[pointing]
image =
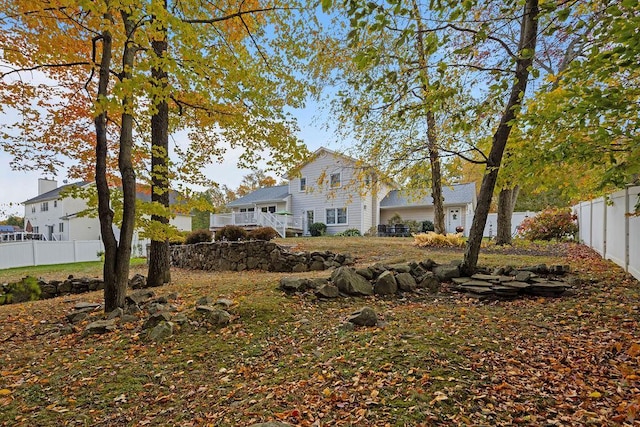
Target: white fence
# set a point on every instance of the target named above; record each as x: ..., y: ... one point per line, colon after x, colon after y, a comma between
x: 38, y: 252
x: 491, y: 226
x: 606, y: 227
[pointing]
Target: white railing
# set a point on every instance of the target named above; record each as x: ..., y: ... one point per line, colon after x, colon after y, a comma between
x: 262, y: 219
x: 607, y: 226
x: 21, y: 236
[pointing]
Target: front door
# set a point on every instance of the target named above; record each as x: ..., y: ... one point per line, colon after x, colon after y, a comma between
x: 308, y: 221
x: 455, y: 220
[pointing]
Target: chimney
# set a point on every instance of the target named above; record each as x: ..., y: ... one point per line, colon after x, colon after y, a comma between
x: 46, y: 185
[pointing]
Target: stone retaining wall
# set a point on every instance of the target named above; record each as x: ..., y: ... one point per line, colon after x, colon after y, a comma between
x: 252, y: 255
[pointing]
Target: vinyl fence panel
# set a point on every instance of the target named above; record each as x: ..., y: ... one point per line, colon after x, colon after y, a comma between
x: 38, y: 252
x: 607, y: 226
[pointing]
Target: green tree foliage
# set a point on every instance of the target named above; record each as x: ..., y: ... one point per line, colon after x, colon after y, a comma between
x: 13, y: 220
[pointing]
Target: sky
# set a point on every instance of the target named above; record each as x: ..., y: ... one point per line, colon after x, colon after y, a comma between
x: 16, y: 186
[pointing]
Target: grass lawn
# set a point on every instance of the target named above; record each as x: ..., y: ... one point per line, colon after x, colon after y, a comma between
x: 440, y: 359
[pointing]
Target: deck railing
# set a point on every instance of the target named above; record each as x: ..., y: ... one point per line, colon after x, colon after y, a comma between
x: 281, y: 223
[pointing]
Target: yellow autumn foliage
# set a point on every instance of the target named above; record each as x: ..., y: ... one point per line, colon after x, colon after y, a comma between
x: 439, y: 240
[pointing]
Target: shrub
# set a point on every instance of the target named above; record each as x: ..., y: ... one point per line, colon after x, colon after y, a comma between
x: 263, y: 233
x: 552, y: 223
x: 231, y: 233
x: 317, y: 229
x: 431, y: 239
x: 27, y: 289
x: 427, y: 226
x: 351, y: 232
x: 198, y: 236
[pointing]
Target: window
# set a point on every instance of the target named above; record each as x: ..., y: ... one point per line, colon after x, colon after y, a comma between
x: 303, y: 183
x: 247, y: 209
x: 334, y: 180
x: 33, y: 209
x: 36, y: 229
x: 61, y: 227
x: 55, y: 203
x: 271, y: 209
x: 336, y: 216
x: 44, y: 207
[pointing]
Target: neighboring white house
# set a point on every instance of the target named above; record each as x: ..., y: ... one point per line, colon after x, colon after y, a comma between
x: 342, y: 193
x: 56, y: 217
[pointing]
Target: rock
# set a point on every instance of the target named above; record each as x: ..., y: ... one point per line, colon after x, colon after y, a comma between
x: 161, y: 331
x: 523, y: 276
x: 204, y: 301
x: 132, y: 309
x: 138, y: 281
x: 460, y: 280
x: 428, y: 264
x: 430, y: 282
x: 327, y: 291
x: 559, y: 269
x: 153, y: 320
x: 83, y: 304
x: 100, y: 327
x: 299, y: 268
x: 406, y: 282
x: 486, y: 277
x: 128, y: 318
x: 317, y: 282
x: 366, y: 272
x: 317, y: 266
x: 538, y: 269
x: 400, y: 268
x: 446, y: 272
x: 77, y: 316
x: 364, y: 317
x: 386, y: 284
x: 505, y: 291
x: 351, y: 283
x: 139, y: 297
x: 214, y: 315
x: 67, y: 330
x: 180, y: 319
x: 224, y: 303
x: 293, y: 284
x: 517, y: 285
x: 117, y: 312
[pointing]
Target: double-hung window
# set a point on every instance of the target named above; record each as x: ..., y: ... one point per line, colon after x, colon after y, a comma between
x: 303, y: 183
x: 335, y: 180
x: 336, y: 216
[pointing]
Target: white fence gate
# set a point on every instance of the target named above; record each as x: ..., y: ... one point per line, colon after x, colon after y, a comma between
x: 606, y: 226
x: 491, y: 226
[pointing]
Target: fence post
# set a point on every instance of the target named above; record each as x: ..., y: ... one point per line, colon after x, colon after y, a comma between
x: 626, y: 229
x: 604, y: 229
x: 35, y: 252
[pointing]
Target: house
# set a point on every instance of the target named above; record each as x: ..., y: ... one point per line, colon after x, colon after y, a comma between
x: 53, y: 216
x: 459, y: 205
x: 342, y: 193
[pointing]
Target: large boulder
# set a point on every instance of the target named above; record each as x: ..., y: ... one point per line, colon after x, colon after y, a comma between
x: 446, y: 272
x: 386, y: 284
x: 161, y: 331
x: 293, y: 284
x: 406, y: 282
x: 327, y: 291
x: 364, y: 317
x: 430, y: 282
x: 350, y: 282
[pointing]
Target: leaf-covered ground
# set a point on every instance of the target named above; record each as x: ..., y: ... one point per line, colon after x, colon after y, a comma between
x: 438, y: 360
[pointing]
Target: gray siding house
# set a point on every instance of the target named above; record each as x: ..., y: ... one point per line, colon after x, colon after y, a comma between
x: 343, y: 193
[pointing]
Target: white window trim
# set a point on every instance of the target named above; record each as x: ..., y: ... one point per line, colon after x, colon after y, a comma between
x: 337, y: 224
x: 300, y: 189
x: 339, y: 178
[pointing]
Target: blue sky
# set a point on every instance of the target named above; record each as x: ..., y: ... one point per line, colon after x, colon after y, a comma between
x: 17, y: 186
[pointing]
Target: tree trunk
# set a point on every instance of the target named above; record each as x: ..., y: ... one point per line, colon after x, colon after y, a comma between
x: 436, y: 177
x: 506, y: 202
x: 159, y: 271
x: 116, y: 293
x: 105, y: 214
x: 526, y: 51
x: 432, y: 135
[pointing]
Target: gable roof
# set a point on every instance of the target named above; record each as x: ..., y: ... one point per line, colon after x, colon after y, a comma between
x: 459, y: 194
x: 55, y: 193
x: 277, y: 193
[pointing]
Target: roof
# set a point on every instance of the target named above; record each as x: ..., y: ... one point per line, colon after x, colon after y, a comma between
x: 55, y: 193
x: 277, y: 193
x: 8, y: 229
x: 459, y: 194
